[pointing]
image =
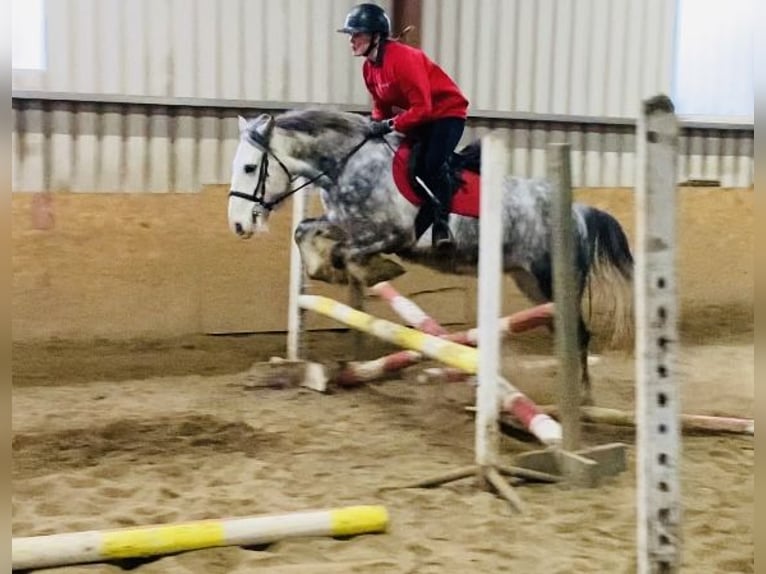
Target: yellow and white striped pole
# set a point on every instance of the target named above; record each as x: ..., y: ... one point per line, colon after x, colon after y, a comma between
x: 452, y: 354
x: 102, y: 545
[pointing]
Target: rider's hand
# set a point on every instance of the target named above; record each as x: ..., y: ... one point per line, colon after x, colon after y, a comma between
x: 381, y: 128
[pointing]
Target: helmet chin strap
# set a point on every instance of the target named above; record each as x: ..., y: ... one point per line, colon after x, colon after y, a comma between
x: 373, y: 45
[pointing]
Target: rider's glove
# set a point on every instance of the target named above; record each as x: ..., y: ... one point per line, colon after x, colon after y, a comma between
x: 381, y: 128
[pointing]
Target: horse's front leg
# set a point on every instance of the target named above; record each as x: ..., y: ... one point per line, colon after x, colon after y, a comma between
x: 329, y: 255
x: 362, y: 256
x: 315, y: 239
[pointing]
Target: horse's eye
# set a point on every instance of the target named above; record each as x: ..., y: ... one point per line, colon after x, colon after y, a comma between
x: 250, y: 168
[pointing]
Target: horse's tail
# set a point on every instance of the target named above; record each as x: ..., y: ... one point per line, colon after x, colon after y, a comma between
x: 610, y: 274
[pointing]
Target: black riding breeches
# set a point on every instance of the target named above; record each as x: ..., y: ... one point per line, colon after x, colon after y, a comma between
x: 438, y: 140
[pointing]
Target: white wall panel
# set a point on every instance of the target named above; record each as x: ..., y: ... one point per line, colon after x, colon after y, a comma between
x: 576, y: 57
x: 322, y: 39
x: 254, y: 64
x: 628, y: 159
x: 542, y: 82
x: 159, y: 41
x: 441, y: 40
x: 110, y: 43
x: 579, y: 61
x: 221, y: 49
x: 468, y: 56
x: 61, y: 148
x: 158, y: 155
x: 58, y: 75
x: 182, y: 40
x: 85, y: 49
x: 296, y: 72
x: 207, y: 45
x: 728, y: 161
x: 135, y: 51
x: 505, y: 57
x: 185, y: 149
x: 111, y: 149
x: 614, y: 77
x: 276, y: 38
x: 524, y: 63
x: 597, y: 57
x: 572, y: 57
x: 233, y: 28
x: 135, y: 149
x: 745, y: 161
x: 209, y: 143
x: 86, y: 148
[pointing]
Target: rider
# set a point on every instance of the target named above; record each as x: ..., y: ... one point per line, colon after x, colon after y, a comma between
x: 412, y: 95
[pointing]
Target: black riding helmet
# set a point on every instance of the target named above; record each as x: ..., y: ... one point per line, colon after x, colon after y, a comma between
x: 368, y: 19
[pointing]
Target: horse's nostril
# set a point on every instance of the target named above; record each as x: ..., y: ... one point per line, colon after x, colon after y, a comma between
x: 238, y: 228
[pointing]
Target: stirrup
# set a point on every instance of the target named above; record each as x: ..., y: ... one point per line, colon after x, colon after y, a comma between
x: 444, y: 244
x: 443, y: 241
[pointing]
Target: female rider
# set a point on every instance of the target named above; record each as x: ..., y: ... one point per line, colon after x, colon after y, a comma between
x: 412, y: 95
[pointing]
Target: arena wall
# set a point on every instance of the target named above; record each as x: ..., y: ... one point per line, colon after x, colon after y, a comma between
x: 158, y: 265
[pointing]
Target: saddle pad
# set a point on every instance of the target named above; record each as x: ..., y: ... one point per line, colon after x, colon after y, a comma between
x: 464, y: 202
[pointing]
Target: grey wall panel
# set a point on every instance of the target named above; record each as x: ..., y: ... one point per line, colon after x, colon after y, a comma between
x: 109, y: 147
x: 225, y: 49
x: 596, y: 58
x: 576, y: 57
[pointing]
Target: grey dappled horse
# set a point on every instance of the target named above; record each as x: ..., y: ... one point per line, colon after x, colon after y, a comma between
x: 365, y: 214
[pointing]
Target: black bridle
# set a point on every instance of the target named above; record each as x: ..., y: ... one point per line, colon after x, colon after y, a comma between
x: 257, y: 197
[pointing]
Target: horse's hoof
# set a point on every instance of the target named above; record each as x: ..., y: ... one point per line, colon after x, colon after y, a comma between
x: 338, y: 256
x: 377, y: 269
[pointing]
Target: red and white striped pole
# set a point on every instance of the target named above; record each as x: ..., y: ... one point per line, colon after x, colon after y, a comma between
x: 513, y: 401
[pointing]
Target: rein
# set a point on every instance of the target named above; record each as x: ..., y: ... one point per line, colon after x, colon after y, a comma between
x: 259, y: 192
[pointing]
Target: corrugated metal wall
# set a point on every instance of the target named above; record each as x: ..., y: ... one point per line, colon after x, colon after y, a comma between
x: 177, y: 72
x: 259, y: 50
x: 111, y: 147
x: 583, y: 57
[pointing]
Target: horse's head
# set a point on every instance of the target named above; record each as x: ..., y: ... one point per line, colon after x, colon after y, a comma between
x: 254, y: 190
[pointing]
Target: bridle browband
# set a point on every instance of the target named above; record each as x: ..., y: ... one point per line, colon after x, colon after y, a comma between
x: 257, y: 197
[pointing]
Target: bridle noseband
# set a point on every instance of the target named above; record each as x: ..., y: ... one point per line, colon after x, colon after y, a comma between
x: 259, y: 193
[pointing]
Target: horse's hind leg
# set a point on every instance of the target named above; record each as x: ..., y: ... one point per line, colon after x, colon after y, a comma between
x: 537, y: 287
x: 583, y: 340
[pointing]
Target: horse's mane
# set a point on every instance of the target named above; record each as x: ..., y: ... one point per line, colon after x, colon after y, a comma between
x: 315, y: 121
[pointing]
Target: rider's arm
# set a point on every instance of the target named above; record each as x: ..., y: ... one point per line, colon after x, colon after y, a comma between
x: 411, y: 72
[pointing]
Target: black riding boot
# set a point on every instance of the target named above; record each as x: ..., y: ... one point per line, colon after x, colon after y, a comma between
x: 440, y: 233
x: 441, y: 236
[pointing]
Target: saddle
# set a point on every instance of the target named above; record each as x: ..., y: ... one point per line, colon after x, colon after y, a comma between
x: 463, y: 177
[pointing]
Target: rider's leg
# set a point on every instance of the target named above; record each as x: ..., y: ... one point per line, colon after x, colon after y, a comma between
x: 439, y: 143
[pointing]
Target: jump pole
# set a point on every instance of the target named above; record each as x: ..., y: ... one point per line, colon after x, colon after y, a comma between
x: 102, y: 545
x: 453, y: 354
x: 691, y: 423
x: 358, y: 372
x: 657, y: 397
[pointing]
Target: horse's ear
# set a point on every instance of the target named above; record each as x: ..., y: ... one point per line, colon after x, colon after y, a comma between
x: 242, y: 123
x: 265, y: 124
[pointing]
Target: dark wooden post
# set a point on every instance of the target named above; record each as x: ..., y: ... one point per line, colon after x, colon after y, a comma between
x: 407, y: 13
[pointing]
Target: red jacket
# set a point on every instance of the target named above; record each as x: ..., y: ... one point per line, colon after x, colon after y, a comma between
x: 404, y: 78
